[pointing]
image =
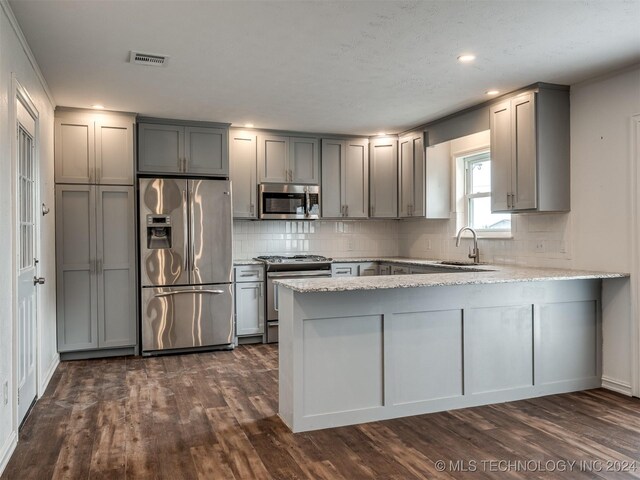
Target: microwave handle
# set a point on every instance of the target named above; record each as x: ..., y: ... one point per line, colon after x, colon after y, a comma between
x: 307, y: 203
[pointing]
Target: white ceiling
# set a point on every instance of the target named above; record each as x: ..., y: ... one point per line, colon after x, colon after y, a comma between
x: 319, y: 66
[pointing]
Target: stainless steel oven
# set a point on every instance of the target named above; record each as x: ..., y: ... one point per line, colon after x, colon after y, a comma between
x: 287, y: 268
x: 281, y: 201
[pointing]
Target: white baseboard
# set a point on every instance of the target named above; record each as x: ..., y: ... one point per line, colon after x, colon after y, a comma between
x: 617, y: 386
x: 48, y: 375
x: 7, y: 450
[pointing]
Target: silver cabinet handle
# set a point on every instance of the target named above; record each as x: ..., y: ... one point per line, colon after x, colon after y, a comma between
x: 251, y: 207
x: 253, y: 274
x: 275, y: 297
x: 99, y: 267
x: 346, y: 210
x: 38, y: 280
x: 180, y: 292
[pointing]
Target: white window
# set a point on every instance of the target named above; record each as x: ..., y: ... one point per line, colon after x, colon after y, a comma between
x: 477, y: 195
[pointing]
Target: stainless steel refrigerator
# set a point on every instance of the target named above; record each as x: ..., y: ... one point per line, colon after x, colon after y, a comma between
x: 186, y: 264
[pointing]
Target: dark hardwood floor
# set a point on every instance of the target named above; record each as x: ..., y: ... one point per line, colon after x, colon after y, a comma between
x: 213, y: 416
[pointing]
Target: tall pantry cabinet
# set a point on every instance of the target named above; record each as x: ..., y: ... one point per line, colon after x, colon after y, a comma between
x: 95, y: 233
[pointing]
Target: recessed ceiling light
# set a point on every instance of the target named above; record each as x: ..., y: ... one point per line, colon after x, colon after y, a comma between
x: 466, y: 58
x: 98, y: 107
x: 492, y: 92
x: 248, y: 125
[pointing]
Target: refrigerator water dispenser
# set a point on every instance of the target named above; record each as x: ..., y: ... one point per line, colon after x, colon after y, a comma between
x: 158, y: 232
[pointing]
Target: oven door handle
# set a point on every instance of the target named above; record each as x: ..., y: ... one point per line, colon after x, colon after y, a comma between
x: 180, y: 292
x: 275, y: 297
x: 294, y: 274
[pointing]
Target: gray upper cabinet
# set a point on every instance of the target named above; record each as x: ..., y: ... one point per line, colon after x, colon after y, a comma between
x: 206, y: 151
x: 273, y: 159
x: 411, y: 164
x: 304, y: 161
x: 438, y: 181
x: 94, y: 148
x: 178, y: 147
x: 160, y: 148
x: 384, y: 178
x: 345, y: 178
x: 283, y: 159
x: 95, y: 257
x: 530, y: 152
x: 243, y: 172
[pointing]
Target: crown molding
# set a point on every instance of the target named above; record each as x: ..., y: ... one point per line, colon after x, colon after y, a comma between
x: 6, y: 8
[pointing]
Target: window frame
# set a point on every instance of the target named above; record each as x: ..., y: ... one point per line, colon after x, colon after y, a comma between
x: 468, y: 160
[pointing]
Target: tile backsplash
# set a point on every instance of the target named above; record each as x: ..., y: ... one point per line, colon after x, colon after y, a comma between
x: 320, y: 237
x: 541, y: 240
x: 538, y: 240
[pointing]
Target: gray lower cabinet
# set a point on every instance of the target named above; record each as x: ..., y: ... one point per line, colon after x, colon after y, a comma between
x: 95, y: 256
x: 243, y: 171
x: 344, y: 270
x: 345, y: 178
x: 249, y: 300
x: 283, y: 159
x: 176, y: 147
x: 530, y: 152
x: 93, y: 148
x: 383, y: 193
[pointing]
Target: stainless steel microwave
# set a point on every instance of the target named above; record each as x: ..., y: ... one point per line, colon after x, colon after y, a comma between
x: 282, y: 201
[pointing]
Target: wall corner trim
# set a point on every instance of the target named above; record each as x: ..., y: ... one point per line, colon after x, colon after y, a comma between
x: 616, y: 386
x: 27, y: 50
x: 7, y: 450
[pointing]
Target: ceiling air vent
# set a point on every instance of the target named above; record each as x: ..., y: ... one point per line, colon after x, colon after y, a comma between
x: 150, y: 59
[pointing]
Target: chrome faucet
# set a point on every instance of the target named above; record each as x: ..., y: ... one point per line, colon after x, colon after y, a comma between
x: 475, y: 253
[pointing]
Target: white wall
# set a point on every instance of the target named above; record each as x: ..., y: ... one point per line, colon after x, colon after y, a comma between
x: 601, y: 112
x: 336, y: 239
x: 13, y: 59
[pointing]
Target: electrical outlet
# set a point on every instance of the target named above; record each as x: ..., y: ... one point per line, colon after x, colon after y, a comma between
x: 350, y: 244
x: 428, y: 244
x: 540, y: 246
x: 5, y: 390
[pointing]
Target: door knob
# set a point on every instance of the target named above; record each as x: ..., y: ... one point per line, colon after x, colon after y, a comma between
x: 38, y: 280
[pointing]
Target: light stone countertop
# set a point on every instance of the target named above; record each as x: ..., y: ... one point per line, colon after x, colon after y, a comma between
x: 459, y: 276
x: 246, y: 261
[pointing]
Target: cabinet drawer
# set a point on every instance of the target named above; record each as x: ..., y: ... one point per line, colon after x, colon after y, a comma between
x: 249, y: 273
x: 399, y: 270
x: 344, y: 270
x: 384, y: 270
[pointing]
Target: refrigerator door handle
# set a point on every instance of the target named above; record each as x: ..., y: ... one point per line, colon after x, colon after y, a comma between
x: 185, y: 249
x: 180, y: 292
x: 192, y: 234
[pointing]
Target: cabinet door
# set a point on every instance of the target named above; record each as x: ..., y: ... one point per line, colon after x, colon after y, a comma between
x: 206, y: 151
x: 368, y: 269
x: 438, y: 181
x: 115, y: 229
x: 161, y: 148
x: 384, y: 270
x: 523, y: 129
x: 304, y: 162
x: 501, y: 156
x: 77, y: 302
x: 243, y: 170
x: 249, y: 308
x: 332, y: 185
x: 419, y: 180
x: 405, y: 164
x: 384, y: 178
x: 74, y: 150
x: 114, y: 151
x: 273, y: 159
x: 356, y: 178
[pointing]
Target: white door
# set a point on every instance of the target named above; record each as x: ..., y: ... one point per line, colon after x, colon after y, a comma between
x: 27, y: 273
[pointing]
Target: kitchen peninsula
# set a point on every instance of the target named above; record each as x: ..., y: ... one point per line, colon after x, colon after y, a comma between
x: 361, y: 349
